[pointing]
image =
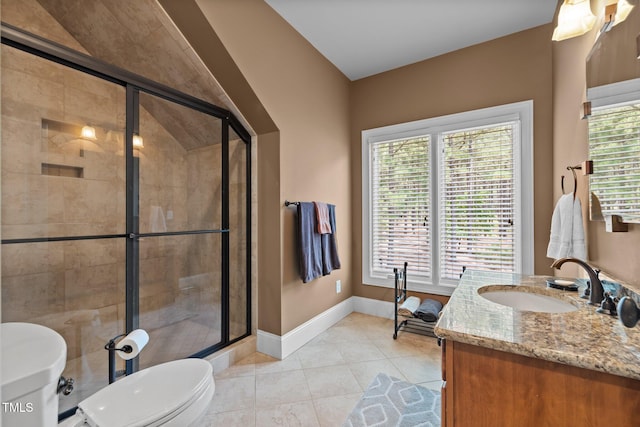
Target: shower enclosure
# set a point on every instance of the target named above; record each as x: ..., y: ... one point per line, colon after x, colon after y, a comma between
x: 125, y: 205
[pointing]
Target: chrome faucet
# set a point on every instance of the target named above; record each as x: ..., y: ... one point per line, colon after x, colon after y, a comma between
x: 597, y: 290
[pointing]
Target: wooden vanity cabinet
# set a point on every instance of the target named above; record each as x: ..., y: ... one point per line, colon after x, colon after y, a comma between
x: 485, y: 387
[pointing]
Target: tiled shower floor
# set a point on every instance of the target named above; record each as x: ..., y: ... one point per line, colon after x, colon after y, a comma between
x: 319, y: 384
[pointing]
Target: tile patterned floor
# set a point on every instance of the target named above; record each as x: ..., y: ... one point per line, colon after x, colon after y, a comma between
x: 319, y: 384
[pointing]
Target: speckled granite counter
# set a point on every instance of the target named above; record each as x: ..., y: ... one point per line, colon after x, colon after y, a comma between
x: 581, y: 338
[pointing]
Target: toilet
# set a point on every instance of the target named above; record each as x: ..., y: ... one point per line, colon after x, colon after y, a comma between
x: 32, y: 359
x: 175, y: 393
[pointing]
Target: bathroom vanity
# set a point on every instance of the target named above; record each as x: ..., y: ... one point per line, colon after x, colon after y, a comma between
x: 503, y: 366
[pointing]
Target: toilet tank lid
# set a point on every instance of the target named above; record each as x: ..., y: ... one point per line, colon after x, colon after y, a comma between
x: 31, y: 357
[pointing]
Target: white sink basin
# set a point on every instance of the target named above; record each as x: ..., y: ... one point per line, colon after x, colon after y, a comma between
x: 527, y: 301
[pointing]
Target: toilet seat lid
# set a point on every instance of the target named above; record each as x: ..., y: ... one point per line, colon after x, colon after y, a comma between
x: 149, y: 395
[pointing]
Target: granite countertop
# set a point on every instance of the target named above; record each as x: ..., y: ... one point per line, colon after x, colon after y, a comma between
x: 581, y: 338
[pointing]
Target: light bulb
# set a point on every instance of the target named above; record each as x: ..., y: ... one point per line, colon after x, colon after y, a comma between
x: 88, y: 132
x: 137, y: 141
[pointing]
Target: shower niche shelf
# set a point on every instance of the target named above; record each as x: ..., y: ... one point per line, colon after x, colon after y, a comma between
x: 62, y: 170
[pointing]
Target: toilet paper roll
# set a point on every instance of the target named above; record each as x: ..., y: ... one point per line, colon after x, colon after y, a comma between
x: 136, y: 340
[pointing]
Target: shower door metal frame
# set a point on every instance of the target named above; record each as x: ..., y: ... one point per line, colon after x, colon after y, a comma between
x: 134, y: 84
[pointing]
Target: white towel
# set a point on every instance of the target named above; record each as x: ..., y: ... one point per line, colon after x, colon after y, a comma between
x: 409, y: 306
x: 567, y: 232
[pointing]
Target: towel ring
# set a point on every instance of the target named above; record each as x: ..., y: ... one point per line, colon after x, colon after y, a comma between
x: 575, y: 179
x: 574, y: 184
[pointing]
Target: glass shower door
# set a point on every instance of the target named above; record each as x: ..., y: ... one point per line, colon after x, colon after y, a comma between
x: 63, y: 198
x: 181, y: 256
x: 239, y: 241
x: 120, y: 210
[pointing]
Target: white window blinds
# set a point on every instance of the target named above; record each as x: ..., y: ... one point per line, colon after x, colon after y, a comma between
x: 448, y: 192
x: 400, y: 205
x: 477, y: 200
x: 614, y: 147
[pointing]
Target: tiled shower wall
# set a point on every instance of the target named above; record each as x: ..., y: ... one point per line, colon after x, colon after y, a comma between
x: 77, y: 288
x: 65, y: 285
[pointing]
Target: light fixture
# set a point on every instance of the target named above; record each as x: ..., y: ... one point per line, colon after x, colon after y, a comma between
x: 88, y: 132
x: 615, y: 13
x: 574, y: 19
x: 623, y: 9
x: 609, y: 17
x: 137, y: 141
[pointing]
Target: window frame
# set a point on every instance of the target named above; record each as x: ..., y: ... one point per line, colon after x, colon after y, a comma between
x: 611, y: 96
x: 434, y: 127
x: 614, y: 93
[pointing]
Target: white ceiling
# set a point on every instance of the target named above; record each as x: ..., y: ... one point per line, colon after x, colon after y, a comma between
x: 366, y: 37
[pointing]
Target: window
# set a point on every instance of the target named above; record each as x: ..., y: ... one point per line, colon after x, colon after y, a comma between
x: 614, y: 148
x: 400, y: 204
x: 449, y: 193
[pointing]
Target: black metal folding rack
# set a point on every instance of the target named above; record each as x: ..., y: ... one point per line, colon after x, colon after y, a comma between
x: 407, y: 323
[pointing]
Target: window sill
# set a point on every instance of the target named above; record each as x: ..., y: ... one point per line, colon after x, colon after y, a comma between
x: 427, y: 288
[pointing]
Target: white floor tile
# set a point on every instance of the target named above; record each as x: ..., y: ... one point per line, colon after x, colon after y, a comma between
x: 281, y: 387
x: 333, y: 411
x: 233, y: 394
x: 319, y: 384
x: 301, y: 414
x: 331, y: 381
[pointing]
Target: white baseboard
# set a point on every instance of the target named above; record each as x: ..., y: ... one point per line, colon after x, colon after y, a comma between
x: 270, y: 344
x: 373, y: 307
x: 282, y: 346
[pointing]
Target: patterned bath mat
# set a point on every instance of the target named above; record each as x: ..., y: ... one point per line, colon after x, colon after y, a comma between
x: 390, y: 402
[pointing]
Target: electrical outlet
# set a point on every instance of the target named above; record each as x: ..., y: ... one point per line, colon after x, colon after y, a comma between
x: 338, y: 286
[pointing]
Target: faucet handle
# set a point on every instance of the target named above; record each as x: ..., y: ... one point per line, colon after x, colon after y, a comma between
x: 628, y: 312
x: 586, y: 291
x: 608, y: 305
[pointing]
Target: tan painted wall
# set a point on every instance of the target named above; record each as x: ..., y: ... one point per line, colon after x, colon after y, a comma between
x: 613, y: 59
x: 308, y: 99
x: 290, y: 82
x: 509, y: 69
x: 570, y: 132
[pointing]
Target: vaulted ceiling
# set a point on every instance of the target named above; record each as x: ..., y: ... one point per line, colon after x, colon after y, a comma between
x: 138, y: 36
x: 366, y: 37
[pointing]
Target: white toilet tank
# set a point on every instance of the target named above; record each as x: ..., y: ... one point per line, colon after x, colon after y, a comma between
x: 32, y: 360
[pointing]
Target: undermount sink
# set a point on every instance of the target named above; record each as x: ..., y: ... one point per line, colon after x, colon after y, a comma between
x: 525, y: 301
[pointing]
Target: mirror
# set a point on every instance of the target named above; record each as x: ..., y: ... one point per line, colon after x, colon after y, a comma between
x: 613, y: 88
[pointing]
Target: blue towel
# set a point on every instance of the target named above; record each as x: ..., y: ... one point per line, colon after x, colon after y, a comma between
x: 309, y: 243
x: 428, y: 310
x: 330, y: 259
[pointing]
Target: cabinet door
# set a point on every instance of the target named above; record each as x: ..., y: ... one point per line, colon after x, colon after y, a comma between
x: 443, y: 404
x: 491, y: 388
x: 448, y: 376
